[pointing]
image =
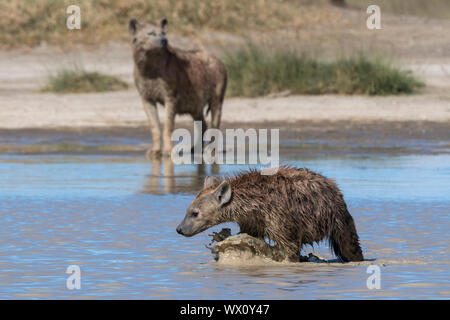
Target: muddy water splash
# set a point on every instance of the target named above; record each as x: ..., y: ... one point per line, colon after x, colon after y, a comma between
x: 244, y: 250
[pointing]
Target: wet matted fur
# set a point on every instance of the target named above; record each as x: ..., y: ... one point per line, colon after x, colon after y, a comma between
x: 291, y: 208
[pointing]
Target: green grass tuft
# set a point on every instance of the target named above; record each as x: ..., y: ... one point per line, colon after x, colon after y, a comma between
x: 256, y: 71
x: 79, y: 81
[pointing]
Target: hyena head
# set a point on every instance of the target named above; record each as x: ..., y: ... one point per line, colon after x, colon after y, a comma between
x: 148, y: 37
x: 204, y: 212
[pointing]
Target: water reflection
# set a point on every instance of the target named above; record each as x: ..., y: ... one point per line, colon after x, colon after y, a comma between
x: 166, y: 177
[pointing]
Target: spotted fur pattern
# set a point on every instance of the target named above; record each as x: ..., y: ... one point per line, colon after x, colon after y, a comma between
x: 292, y: 208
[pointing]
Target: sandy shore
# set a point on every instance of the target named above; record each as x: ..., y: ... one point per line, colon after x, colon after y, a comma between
x: 36, y: 110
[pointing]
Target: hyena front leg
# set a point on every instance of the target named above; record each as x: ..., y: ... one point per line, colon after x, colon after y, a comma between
x: 292, y: 252
x: 198, y: 140
x: 286, y: 240
x: 215, y: 106
x: 153, y: 120
x: 168, y: 127
x: 294, y: 246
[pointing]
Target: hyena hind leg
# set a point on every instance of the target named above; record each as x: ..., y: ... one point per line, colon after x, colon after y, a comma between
x: 153, y: 120
x: 345, y: 241
x: 215, y: 105
x: 198, y: 141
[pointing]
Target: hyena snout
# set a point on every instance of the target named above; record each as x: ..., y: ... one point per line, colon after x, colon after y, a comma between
x: 179, y: 230
x: 184, y: 230
x: 191, y: 226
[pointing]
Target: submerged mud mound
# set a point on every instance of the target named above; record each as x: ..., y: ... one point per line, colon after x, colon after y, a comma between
x: 242, y: 248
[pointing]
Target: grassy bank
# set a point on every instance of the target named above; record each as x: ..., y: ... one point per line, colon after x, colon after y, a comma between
x: 29, y: 22
x: 78, y: 80
x: 256, y: 71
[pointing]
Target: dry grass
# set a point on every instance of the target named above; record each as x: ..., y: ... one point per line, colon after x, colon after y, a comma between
x: 30, y: 22
x: 424, y: 8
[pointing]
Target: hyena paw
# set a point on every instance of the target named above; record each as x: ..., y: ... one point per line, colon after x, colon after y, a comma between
x: 153, y: 153
x: 167, y: 152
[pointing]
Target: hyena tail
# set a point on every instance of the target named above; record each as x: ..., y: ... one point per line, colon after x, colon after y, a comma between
x: 344, y: 240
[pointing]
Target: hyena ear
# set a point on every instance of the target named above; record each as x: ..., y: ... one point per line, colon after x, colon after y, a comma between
x: 223, y: 193
x: 132, y: 26
x: 210, y: 181
x: 164, y: 24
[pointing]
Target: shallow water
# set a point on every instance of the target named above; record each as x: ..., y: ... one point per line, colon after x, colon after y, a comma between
x: 114, y: 215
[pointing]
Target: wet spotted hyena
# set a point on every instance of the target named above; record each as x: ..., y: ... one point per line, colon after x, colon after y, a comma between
x: 292, y: 208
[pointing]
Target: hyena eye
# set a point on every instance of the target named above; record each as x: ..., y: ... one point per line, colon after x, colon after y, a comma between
x: 134, y: 40
x: 194, y: 214
x: 153, y: 33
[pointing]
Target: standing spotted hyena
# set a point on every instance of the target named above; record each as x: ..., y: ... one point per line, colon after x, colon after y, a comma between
x: 183, y: 81
x: 293, y: 207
